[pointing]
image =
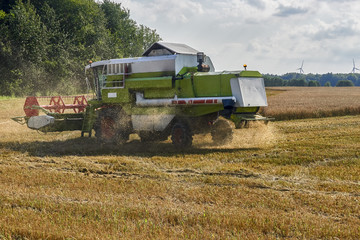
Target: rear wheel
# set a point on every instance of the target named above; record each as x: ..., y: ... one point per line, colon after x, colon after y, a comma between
x: 222, y: 132
x: 181, y: 135
x: 112, y: 126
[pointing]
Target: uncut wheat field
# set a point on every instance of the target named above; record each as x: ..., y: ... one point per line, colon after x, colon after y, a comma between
x: 293, y: 179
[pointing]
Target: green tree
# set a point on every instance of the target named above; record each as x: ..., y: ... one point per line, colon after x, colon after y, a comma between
x: 59, y: 64
x: 297, y: 82
x: 5, y: 5
x: 273, y: 81
x: 313, y: 83
x: 146, y: 37
x: 127, y: 38
x: 23, y: 48
x: 327, y: 84
x: 122, y: 28
x: 44, y: 44
x: 27, y: 33
x: 344, y: 83
x: 293, y: 75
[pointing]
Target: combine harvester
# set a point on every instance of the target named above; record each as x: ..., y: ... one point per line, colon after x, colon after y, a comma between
x: 172, y: 90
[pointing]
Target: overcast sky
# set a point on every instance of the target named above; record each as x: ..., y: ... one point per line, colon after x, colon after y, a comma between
x: 272, y: 36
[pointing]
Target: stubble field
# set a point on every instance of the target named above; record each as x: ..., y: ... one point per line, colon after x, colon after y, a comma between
x: 286, y: 103
x: 290, y: 179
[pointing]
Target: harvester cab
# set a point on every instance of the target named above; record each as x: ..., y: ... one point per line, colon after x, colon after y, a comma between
x: 172, y: 90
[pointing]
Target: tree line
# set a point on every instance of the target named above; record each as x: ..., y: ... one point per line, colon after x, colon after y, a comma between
x: 45, y: 44
x: 313, y: 80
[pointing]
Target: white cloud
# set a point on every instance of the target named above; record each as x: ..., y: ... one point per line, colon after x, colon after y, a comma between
x: 287, y: 11
x: 338, y: 30
x: 273, y: 36
x: 260, y: 4
x: 173, y: 11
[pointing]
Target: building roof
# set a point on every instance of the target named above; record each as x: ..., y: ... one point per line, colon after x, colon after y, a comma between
x: 166, y: 48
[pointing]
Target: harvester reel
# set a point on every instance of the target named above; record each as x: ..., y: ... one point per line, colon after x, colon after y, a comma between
x: 112, y: 126
x: 222, y: 132
x: 181, y: 135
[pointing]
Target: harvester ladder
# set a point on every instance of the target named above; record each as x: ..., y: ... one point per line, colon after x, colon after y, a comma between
x: 118, y: 69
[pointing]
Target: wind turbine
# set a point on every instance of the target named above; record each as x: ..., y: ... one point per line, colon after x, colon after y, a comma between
x: 354, y: 68
x: 301, y: 68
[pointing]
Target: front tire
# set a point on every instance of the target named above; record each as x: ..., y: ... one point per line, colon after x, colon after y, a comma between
x: 112, y: 126
x: 181, y: 135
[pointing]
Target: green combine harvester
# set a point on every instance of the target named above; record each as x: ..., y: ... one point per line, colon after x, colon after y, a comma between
x: 172, y: 90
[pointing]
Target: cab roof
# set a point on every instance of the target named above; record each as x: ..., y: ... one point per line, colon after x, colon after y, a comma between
x: 166, y: 48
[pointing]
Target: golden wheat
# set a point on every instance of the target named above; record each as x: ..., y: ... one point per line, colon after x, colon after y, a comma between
x: 307, y: 102
x: 294, y: 179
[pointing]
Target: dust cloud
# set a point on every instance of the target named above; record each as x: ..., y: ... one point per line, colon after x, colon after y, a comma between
x: 258, y: 135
